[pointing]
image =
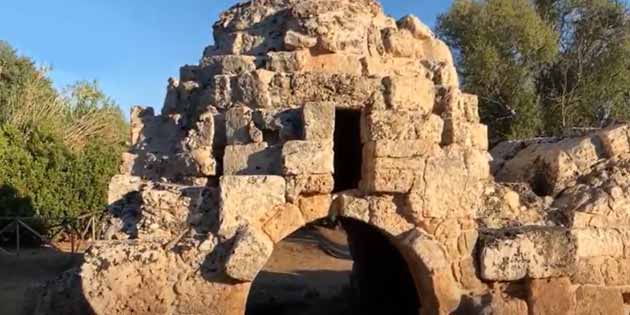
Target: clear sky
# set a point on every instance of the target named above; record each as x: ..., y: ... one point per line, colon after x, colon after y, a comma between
x: 131, y: 47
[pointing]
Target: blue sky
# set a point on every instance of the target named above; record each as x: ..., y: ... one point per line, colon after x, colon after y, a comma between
x: 131, y: 47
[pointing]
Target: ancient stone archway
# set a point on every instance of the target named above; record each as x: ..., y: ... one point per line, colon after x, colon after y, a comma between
x: 380, y: 282
x: 243, y: 154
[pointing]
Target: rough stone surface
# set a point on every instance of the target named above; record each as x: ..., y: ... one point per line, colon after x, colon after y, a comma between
x: 242, y: 155
x: 251, y: 251
x: 551, y: 296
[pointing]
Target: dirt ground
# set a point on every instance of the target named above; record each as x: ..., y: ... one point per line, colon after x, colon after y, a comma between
x: 17, y: 273
x: 300, y: 277
x: 303, y: 279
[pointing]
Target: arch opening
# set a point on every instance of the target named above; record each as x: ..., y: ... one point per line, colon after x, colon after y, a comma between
x: 349, y: 267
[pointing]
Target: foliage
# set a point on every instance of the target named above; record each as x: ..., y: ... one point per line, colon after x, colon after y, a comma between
x: 500, y: 47
x: 589, y: 84
x: 542, y: 67
x: 57, y: 151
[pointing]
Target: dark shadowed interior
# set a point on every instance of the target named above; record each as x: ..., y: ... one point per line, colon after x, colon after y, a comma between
x: 348, y: 150
x: 375, y: 279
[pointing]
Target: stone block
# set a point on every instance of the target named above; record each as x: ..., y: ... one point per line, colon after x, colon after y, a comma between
x: 458, y: 106
x: 287, y: 61
x: 245, y: 199
x: 227, y: 64
x: 389, y: 175
x: 593, y: 300
x: 598, y: 242
x: 466, y: 134
x: 319, y: 121
x: 410, y: 93
x: 429, y: 251
x: 554, y: 296
x: 307, y: 157
x: 333, y: 63
x: 615, y: 140
x: 445, y: 173
x: 251, y: 159
x: 384, y: 215
x: 286, y: 220
x: 386, y: 66
x: 252, y: 249
x: 294, y: 40
x: 252, y: 88
x: 206, y: 164
x: 609, y: 271
x: 352, y: 205
x: 402, y: 125
x: 400, y: 149
x: 536, y: 253
x: 309, y: 185
x: 237, y: 121
x: 121, y: 185
x: 315, y: 207
x: 465, y: 273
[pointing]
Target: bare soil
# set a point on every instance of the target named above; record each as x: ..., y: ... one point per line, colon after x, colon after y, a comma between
x: 303, y: 279
x: 18, y: 273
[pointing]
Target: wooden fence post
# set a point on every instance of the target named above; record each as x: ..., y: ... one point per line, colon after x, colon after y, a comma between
x: 17, y: 237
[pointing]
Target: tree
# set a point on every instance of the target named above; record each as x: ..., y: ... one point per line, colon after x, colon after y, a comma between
x: 542, y: 67
x: 589, y: 84
x: 57, y: 151
x: 500, y: 47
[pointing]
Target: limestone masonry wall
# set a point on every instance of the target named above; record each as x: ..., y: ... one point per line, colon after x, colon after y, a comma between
x: 243, y: 154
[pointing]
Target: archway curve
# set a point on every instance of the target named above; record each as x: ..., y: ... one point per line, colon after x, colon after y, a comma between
x: 418, y: 296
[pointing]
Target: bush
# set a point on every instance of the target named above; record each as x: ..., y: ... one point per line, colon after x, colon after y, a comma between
x: 57, y: 151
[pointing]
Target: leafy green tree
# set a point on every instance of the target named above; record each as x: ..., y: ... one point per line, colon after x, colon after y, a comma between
x: 542, y: 67
x: 500, y: 47
x: 589, y: 83
x: 58, y: 151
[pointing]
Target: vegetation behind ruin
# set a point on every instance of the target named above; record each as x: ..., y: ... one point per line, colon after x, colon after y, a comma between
x: 58, y: 149
x: 544, y: 67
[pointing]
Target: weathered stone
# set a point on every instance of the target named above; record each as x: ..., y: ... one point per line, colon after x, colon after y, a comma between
x: 315, y: 207
x: 309, y: 185
x: 445, y: 172
x: 598, y: 242
x: 319, y: 121
x: 253, y: 88
x: 352, y: 205
x: 527, y: 253
x: 417, y: 28
x: 384, y: 215
x: 286, y: 220
x: 389, y: 175
x: 122, y: 185
x: 251, y: 159
x: 410, y: 93
x: 430, y: 252
x: 206, y: 164
x: 294, y: 40
x: 615, y: 140
x: 227, y: 64
x: 252, y: 249
x: 402, y: 125
x: 551, y: 296
x: 307, y: 157
x: 237, y: 120
x: 603, y: 271
x: 245, y: 199
x: 599, y: 301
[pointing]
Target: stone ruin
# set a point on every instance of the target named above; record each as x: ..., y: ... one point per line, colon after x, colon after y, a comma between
x: 307, y: 109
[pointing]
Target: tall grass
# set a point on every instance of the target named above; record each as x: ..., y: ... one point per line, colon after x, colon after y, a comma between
x: 82, y: 112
